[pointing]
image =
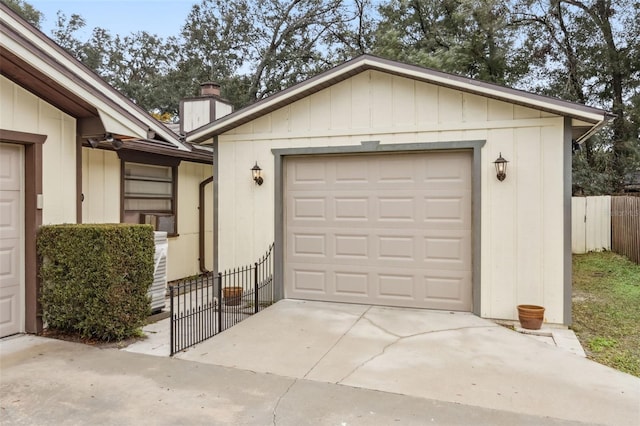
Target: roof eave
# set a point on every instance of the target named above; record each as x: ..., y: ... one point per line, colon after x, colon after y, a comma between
x: 367, y: 62
x: 26, y: 41
x: 595, y: 128
x: 150, y: 146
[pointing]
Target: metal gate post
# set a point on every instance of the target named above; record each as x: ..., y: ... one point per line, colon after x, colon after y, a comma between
x: 172, y: 322
x: 255, y: 288
x: 219, y: 302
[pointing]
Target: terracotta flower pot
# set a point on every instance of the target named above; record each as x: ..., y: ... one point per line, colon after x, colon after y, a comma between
x: 530, y: 316
x: 232, y: 295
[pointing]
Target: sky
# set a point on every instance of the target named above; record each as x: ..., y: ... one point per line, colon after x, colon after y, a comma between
x: 162, y: 17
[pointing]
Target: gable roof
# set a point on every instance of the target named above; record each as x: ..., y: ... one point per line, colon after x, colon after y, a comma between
x: 35, y: 62
x: 586, y: 119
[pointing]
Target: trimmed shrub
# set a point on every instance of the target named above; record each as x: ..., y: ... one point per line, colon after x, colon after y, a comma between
x: 96, y: 277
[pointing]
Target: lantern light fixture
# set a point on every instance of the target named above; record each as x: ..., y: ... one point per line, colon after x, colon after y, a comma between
x: 501, y: 167
x: 256, y: 173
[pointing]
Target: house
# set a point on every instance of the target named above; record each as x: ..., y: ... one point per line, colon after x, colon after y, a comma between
x: 74, y: 150
x: 379, y: 186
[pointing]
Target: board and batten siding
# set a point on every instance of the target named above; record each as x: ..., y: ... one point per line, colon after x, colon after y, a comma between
x: 522, y: 218
x: 23, y: 111
x: 184, y: 248
x: 101, y: 186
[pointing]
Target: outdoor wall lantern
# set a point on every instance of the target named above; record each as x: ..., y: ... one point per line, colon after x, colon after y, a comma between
x: 256, y: 172
x: 501, y: 168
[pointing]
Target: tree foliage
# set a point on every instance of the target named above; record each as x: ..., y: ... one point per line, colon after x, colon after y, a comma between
x: 259, y: 48
x: 468, y: 37
x: 587, y: 51
x: 26, y: 10
x: 252, y: 49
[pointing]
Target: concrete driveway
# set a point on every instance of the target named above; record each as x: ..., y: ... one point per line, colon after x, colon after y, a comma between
x: 51, y: 382
x: 444, y: 356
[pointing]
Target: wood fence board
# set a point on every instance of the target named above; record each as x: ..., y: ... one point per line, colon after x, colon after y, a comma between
x: 625, y: 227
x: 578, y: 228
x: 590, y: 224
x: 598, y: 223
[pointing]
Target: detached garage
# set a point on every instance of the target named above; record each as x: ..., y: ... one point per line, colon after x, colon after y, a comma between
x: 378, y: 185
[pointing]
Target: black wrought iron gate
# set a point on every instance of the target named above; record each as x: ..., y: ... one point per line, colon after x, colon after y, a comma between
x: 206, y: 305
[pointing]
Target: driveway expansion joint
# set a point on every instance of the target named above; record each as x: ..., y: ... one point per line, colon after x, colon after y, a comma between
x: 336, y: 342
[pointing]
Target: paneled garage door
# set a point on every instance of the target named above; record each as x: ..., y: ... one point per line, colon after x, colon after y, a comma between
x: 380, y: 229
x: 11, y: 226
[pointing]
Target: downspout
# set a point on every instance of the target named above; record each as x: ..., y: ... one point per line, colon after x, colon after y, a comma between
x: 201, y: 228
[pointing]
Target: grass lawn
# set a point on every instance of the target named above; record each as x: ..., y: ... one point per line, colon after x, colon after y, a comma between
x: 606, y: 309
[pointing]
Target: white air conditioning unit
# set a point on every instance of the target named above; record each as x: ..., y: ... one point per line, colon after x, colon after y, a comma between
x: 158, y: 289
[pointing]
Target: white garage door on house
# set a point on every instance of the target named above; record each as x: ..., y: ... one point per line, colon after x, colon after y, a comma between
x: 11, y: 251
x: 392, y: 229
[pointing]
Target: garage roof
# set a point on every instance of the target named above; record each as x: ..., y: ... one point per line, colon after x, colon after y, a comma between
x: 586, y: 119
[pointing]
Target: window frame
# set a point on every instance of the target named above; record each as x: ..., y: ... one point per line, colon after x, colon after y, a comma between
x: 150, y: 160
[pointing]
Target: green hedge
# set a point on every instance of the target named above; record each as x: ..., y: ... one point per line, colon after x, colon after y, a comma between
x: 95, y: 278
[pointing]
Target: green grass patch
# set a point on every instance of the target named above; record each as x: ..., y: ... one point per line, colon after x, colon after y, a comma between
x: 606, y: 309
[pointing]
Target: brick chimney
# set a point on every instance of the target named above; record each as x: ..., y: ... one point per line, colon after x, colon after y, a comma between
x: 201, y: 110
x: 210, y: 89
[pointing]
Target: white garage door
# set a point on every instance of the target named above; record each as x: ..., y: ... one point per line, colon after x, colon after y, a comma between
x: 11, y: 251
x: 387, y: 229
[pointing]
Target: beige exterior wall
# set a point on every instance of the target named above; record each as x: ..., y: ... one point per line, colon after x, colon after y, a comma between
x: 521, y: 218
x: 22, y: 111
x: 183, y: 250
x: 101, y: 186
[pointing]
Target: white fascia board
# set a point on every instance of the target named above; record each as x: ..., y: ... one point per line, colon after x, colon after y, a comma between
x: 86, y: 76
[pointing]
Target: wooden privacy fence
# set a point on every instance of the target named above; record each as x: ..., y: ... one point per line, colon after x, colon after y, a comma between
x: 625, y: 227
x: 590, y: 224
